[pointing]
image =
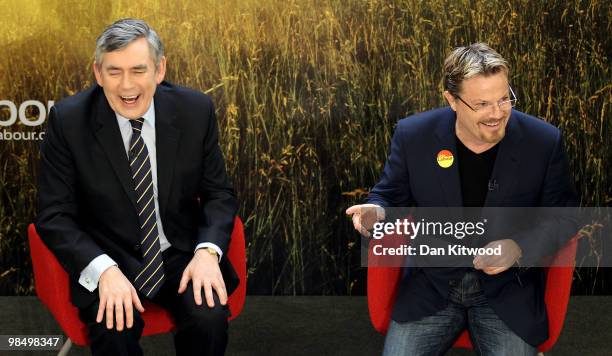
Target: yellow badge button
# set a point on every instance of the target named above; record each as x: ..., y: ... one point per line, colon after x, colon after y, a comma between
x: 445, y: 158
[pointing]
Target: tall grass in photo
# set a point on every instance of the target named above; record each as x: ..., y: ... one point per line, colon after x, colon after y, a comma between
x: 307, y: 94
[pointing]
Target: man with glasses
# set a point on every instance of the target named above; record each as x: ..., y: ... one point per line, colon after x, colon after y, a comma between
x: 493, y: 156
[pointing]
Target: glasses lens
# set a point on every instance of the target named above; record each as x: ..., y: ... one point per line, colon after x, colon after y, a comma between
x: 506, y: 104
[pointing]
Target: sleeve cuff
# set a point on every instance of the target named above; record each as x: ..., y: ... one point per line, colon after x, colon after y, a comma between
x: 211, y: 245
x: 90, y: 275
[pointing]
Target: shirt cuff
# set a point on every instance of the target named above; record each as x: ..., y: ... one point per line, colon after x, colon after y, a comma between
x: 90, y: 275
x: 211, y: 245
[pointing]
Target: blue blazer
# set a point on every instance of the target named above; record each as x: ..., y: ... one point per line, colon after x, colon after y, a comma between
x: 531, y: 170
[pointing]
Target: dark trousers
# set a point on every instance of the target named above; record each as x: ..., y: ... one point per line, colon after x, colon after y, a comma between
x: 200, y: 330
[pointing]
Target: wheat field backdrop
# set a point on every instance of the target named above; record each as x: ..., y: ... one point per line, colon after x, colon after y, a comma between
x: 307, y: 95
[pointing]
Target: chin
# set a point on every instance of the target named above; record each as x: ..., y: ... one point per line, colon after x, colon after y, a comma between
x: 131, y: 114
x: 494, y: 139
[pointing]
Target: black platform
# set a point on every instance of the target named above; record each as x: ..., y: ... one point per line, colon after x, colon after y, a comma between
x: 314, y: 326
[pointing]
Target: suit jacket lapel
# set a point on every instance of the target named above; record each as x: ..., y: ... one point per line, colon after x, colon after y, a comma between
x: 448, y: 178
x: 506, y: 165
x: 109, y: 137
x: 167, y: 141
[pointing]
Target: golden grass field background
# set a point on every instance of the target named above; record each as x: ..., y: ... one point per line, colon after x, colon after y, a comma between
x: 307, y: 94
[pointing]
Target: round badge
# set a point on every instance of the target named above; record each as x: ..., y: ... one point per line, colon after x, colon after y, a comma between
x: 445, y: 158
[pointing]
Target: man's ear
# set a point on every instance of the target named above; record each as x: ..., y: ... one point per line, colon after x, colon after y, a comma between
x: 160, y: 71
x: 451, y: 100
x: 96, y: 69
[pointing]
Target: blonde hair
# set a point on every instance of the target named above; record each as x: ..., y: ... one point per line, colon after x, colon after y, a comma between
x: 466, y: 62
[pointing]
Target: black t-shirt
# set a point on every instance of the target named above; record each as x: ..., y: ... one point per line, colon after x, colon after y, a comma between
x: 475, y: 171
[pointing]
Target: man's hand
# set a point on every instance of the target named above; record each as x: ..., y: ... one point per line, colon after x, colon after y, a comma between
x: 365, y: 216
x: 117, y: 294
x: 493, y: 264
x: 204, y: 272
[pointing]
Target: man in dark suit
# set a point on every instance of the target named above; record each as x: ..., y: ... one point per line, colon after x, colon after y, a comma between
x: 135, y: 202
x: 478, y: 152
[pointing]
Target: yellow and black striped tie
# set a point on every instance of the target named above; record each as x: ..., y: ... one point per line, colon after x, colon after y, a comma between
x: 151, y: 277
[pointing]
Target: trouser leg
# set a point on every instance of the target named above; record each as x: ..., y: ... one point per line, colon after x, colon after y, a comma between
x: 105, y: 341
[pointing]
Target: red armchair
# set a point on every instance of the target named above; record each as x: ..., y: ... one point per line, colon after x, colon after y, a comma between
x: 382, y: 291
x: 51, y: 283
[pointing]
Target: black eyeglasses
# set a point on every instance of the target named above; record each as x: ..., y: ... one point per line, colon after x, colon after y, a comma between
x: 488, y: 107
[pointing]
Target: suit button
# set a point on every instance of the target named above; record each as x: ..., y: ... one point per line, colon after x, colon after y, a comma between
x: 137, y: 247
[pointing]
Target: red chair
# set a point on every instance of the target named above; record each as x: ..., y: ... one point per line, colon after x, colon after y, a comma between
x: 383, y: 281
x: 52, y: 288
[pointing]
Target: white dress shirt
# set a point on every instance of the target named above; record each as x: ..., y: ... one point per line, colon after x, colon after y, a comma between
x: 90, y: 275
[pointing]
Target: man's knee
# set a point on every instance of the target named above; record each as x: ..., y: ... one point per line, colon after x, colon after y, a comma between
x: 88, y: 316
x: 202, y: 315
x: 210, y: 318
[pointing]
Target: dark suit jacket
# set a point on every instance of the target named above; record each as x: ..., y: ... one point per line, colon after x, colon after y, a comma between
x: 530, y: 170
x: 87, y: 203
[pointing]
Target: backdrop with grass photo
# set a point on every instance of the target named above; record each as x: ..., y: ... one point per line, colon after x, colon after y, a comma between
x: 307, y: 95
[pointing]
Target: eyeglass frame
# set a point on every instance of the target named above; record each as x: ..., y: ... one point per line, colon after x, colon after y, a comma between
x: 499, y: 104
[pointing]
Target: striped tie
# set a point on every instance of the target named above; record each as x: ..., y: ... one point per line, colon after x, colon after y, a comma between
x: 151, y: 277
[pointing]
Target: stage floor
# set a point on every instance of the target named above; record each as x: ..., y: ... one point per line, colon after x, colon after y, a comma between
x: 314, y: 326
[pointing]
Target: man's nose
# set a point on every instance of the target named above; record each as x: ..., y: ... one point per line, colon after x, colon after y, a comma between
x: 497, y: 112
x: 126, y: 82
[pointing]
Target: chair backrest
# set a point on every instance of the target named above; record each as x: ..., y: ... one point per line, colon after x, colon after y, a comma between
x: 52, y: 287
x: 237, y: 255
x: 383, y: 282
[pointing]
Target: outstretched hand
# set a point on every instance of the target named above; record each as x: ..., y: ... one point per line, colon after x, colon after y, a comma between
x: 365, y: 216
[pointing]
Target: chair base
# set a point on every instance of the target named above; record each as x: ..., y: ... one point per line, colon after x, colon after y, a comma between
x: 65, y: 348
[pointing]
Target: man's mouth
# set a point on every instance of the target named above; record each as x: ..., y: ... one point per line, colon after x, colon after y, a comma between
x: 129, y: 99
x: 494, y: 123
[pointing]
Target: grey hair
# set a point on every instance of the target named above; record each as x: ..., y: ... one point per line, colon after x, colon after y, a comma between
x: 125, y: 31
x: 466, y: 62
